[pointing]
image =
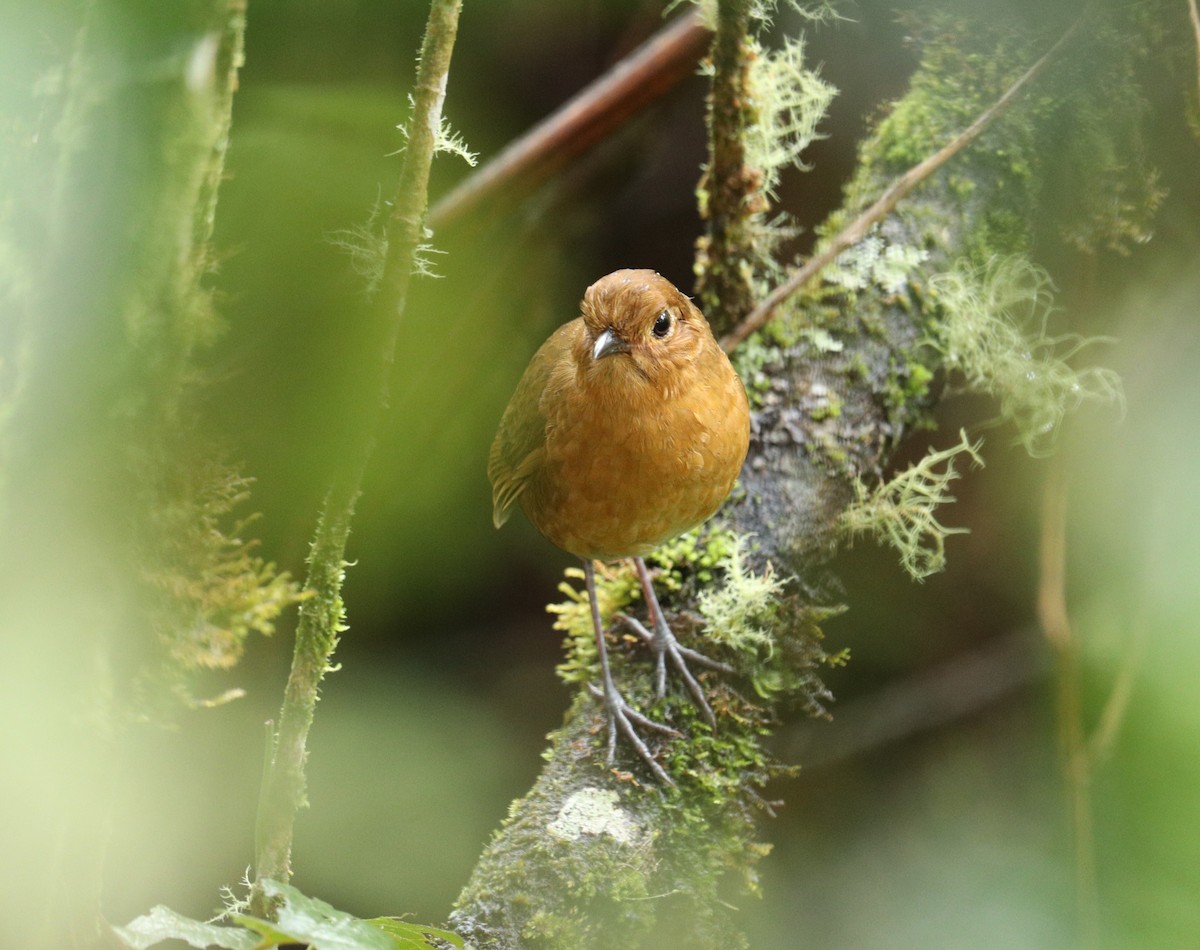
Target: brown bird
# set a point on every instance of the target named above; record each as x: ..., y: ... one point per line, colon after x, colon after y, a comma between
x: 628, y: 428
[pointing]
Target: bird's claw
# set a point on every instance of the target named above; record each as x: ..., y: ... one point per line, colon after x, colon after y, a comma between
x: 686, y: 652
x: 622, y: 716
x: 665, y: 644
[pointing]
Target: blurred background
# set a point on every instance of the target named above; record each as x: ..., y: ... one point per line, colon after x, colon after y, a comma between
x: 932, y: 811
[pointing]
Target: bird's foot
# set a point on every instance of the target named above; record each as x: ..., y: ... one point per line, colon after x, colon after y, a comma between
x: 622, y: 718
x: 664, y: 644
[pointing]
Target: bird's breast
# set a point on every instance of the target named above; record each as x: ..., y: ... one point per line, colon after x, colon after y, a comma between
x: 628, y: 467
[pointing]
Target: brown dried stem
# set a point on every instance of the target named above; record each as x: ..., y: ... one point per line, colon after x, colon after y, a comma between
x: 585, y: 120
x: 1056, y: 625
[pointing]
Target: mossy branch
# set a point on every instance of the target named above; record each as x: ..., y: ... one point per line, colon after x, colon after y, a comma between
x: 858, y: 229
x: 730, y: 189
x: 322, y: 616
x: 847, y: 370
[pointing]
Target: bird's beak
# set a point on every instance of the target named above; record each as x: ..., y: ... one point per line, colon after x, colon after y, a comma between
x: 608, y: 343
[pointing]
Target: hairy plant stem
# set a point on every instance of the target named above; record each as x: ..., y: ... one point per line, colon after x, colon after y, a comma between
x: 321, y: 615
x: 730, y: 190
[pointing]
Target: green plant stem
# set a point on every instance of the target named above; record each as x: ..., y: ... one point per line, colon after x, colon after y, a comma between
x: 321, y: 614
x: 733, y: 190
x: 1056, y: 624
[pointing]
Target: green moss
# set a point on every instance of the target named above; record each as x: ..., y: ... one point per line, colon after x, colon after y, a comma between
x: 745, y: 618
x: 206, y: 590
x: 752, y: 361
x: 601, y: 875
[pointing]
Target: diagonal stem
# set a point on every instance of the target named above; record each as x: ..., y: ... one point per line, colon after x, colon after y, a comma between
x: 857, y: 229
x: 585, y: 120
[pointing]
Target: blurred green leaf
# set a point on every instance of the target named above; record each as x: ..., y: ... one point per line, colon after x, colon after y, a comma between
x: 304, y: 920
x: 311, y: 921
x: 162, y: 923
x: 413, y: 935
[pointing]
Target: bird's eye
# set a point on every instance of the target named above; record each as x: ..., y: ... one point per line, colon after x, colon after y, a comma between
x: 662, y: 325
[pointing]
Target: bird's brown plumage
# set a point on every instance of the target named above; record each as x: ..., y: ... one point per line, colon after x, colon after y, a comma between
x: 629, y: 426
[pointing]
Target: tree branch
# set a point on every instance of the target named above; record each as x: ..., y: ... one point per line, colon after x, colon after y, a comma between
x: 587, y: 118
x: 594, y: 858
x: 730, y: 190
x: 857, y: 229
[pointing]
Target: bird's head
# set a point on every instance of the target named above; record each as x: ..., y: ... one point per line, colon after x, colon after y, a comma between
x: 639, y: 330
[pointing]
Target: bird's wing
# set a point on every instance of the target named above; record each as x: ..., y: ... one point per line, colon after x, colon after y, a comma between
x: 520, y: 444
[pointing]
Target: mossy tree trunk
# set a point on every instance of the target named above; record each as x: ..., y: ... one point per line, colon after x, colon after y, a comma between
x: 598, y: 858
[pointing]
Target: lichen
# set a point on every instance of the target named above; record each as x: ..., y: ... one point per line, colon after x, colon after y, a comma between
x: 903, y: 510
x: 594, y: 811
x: 876, y: 262
x: 747, y: 618
x: 679, y: 567
x: 994, y: 336
x: 764, y: 113
x: 791, y: 99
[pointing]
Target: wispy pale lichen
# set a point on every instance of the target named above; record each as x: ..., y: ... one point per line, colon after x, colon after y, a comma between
x: 738, y: 612
x: 903, y: 511
x: 995, y: 336
x: 792, y: 99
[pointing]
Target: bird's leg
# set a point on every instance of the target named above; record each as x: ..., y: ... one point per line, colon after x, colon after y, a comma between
x: 664, y: 644
x: 621, y: 716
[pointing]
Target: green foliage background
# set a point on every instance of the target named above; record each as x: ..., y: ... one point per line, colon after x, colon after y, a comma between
x: 947, y: 834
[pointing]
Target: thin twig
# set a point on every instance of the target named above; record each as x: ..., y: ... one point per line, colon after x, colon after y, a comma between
x: 321, y: 613
x: 1056, y: 624
x: 655, y: 67
x: 1112, y: 717
x: 857, y: 229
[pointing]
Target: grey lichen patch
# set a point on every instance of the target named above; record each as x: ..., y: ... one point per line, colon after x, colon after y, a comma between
x: 878, y: 262
x: 595, y: 812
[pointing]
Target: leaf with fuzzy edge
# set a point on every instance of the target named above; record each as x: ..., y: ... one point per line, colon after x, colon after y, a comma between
x: 301, y: 919
x: 162, y: 923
